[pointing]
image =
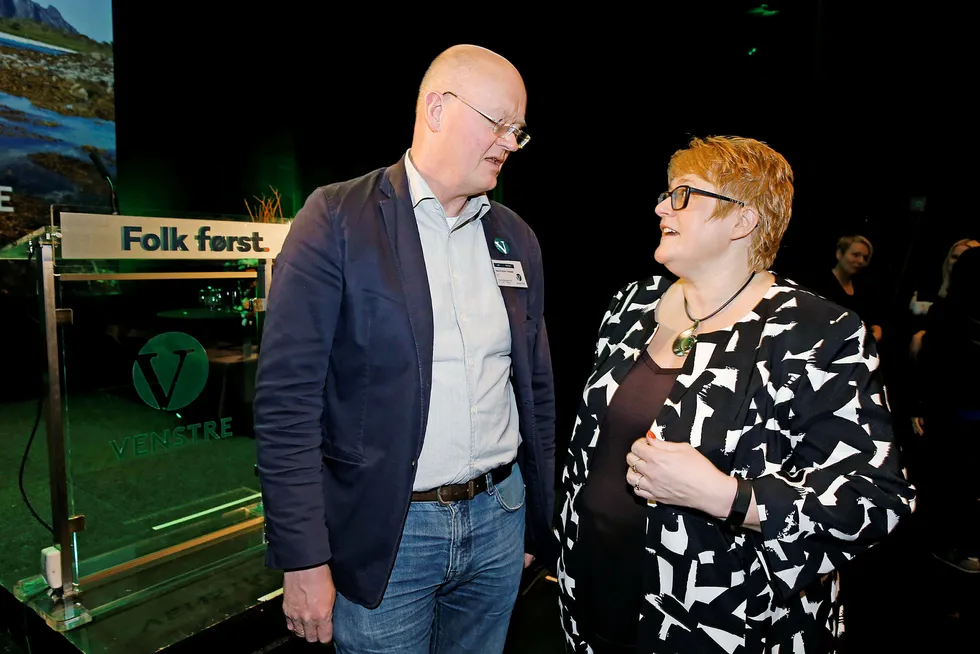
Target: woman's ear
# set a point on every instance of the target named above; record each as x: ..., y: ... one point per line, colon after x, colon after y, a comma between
x: 746, y: 221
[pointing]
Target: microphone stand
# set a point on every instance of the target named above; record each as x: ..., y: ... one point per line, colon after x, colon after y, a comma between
x: 113, y: 199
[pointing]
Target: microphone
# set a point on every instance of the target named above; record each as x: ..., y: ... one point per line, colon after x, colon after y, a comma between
x: 99, y: 166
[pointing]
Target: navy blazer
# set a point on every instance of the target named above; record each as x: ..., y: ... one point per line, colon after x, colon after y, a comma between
x: 345, y: 374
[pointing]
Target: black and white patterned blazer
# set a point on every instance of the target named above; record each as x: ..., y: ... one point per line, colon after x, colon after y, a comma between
x: 789, y: 398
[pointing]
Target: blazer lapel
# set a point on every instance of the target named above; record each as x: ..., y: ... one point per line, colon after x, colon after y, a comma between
x: 626, y: 342
x: 402, y: 231
x: 503, y: 247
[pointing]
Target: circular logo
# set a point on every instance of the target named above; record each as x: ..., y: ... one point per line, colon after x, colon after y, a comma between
x: 170, y: 371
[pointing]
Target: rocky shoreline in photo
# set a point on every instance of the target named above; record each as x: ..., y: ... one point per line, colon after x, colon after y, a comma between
x: 79, y: 85
x: 31, y: 212
x: 17, y: 122
x: 69, y: 84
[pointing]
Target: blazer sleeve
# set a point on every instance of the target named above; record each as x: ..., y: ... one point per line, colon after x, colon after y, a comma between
x: 303, y: 307
x: 842, y: 489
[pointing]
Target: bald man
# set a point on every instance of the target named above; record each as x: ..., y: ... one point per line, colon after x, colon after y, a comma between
x: 404, y: 407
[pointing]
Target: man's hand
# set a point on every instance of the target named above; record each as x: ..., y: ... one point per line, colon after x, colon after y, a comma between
x: 528, y: 560
x: 307, y: 601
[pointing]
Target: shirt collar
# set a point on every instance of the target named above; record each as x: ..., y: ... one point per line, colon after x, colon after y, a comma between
x: 475, y: 208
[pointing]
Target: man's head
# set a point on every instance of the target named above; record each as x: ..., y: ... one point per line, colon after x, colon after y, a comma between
x: 468, y: 120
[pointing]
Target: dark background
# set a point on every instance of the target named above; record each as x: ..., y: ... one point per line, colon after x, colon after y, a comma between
x: 215, y: 109
x: 218, y: 101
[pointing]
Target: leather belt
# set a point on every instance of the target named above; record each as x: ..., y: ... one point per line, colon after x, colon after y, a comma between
x: 456, y: 492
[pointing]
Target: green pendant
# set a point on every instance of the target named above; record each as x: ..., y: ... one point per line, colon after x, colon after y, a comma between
x: 685, y: 341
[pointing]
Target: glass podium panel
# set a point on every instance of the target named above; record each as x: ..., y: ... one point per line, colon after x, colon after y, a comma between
x: 158, y: 385
x: 24, y: 474
x: 138, y: 342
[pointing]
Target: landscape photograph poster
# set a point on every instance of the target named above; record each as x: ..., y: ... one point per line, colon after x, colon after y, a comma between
x: 57, y: 108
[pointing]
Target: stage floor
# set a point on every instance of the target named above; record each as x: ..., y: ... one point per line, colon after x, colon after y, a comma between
x: 137, y: 501
x: 898, y: 597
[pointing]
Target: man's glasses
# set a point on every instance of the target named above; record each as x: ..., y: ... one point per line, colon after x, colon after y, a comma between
x: 500, y: 128
x: 680, y: 195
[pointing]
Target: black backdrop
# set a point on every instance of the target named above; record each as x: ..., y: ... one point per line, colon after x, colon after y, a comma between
x: 216, y: 101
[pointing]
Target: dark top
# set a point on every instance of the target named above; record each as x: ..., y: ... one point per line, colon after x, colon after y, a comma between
x: 950, y: 353
x: 951, y: 343
x: 863, y: 302
x: 613, y: 518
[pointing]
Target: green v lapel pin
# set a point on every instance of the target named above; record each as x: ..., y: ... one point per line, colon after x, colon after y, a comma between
x: 508, y: 272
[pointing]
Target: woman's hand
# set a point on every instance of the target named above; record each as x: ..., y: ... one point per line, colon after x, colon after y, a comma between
x: 676, y: 473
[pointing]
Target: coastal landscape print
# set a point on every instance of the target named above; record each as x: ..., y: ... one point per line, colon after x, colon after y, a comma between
x: 57, y: 105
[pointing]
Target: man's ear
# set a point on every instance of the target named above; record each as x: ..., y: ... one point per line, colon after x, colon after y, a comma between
x: 433, y: 106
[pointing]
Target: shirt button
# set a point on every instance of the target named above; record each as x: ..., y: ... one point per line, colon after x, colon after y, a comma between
x: 473, y: 410
x: 413, y: 463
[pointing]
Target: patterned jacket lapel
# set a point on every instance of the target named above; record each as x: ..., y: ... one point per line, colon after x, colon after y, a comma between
x: 629, y: 332
x: 718, y: 360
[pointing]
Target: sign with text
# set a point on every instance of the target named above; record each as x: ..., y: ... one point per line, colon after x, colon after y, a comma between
x: 5, y: 192
x: 98, y: 236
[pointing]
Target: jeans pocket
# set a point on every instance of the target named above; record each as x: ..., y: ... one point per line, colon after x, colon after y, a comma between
x: 510, y: 492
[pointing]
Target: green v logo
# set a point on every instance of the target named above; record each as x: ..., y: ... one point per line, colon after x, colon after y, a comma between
x: 170, y: 371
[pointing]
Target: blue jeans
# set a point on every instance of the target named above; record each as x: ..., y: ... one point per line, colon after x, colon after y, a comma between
x: 454, y: 582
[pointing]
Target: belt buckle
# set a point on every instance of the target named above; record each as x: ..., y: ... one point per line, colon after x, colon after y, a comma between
x: 471, y: 489
x: 442, y: 502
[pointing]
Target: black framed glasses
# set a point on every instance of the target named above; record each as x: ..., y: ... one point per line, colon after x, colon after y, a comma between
x: 500, y: 128
x: 680, y: 195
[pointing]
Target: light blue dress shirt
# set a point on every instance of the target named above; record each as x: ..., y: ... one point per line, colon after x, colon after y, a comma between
x: 473, y: 424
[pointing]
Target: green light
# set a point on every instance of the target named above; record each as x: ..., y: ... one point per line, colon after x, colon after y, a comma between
x: 762, y: 10
x: 753, y: 51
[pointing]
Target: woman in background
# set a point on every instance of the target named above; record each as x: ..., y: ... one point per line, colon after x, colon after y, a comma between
x: 733, y: 446
x: 843, y: 286
x: 919, y: 306
x: 949, y: 418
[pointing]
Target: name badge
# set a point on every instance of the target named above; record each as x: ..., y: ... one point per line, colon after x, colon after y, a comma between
x: 509, y: 273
